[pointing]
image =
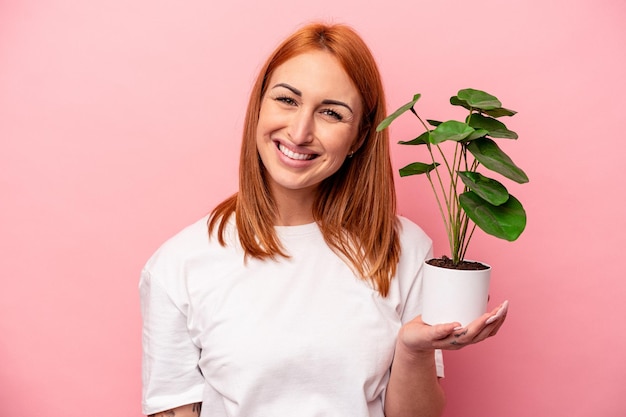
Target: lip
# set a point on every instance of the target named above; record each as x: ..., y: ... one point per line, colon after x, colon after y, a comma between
x: 293, y: 155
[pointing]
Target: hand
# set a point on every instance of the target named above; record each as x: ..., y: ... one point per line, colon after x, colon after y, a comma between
x: 418, y: 336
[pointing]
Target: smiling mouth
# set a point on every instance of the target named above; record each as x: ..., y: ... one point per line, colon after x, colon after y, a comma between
x: 294, y: 155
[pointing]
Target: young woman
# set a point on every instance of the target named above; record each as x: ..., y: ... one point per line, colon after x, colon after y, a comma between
x: 300, y: 294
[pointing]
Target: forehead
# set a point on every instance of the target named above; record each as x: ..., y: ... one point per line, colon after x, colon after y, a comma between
x: 318, y: 73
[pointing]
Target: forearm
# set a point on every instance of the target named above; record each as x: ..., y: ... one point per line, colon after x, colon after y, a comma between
x: 189, y: 410
x: 413, y: 389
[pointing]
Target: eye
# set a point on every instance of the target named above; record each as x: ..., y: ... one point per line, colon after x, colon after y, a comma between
x: 286, y: 100
x: 333, y: 114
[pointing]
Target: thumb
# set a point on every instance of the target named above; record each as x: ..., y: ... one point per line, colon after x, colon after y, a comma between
x: 441, y: 331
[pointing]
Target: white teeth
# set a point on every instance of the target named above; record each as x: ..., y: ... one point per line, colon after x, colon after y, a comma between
x: 293, y: 155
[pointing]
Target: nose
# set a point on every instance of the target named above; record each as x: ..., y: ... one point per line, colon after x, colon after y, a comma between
x: 301, y: 127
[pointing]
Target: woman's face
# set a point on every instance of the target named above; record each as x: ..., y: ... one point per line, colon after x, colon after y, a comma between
x: 308, y: 122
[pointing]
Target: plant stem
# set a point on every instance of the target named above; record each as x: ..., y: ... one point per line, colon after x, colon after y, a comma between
x: 455, y: 219
x: 466, y: 245
x: 447, y: 222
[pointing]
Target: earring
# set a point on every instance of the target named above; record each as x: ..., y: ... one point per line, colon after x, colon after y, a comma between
x: 350, y: 154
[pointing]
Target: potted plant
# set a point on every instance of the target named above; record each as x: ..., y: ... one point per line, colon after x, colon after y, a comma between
x: 466, y: 198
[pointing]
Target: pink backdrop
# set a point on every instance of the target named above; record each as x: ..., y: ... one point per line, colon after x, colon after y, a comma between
x: 120, y: 123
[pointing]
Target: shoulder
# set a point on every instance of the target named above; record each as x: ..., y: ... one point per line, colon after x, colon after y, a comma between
x: 181, y: 247
x: 415, y: 247
x: 411, y: 235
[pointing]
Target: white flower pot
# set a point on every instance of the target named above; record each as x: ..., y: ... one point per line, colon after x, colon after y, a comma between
x: 452, y: 295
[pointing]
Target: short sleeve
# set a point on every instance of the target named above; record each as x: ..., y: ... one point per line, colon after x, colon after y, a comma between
x: 170, y: 373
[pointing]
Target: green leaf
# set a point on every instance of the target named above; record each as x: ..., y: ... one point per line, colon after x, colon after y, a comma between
x: 486, y: 188
x: 491, y: 156
x: 450, y: 130
x: 417, y: 168
x: 434, y: 123
x: 493, y: 112
x: 478, y: 133
x: 478, y: 99
x: 420, y: 140
x: 456, y: 101
x: 408, y: 106
x: 496, y: 128
x: 500, y: 112
x: 506, y: 221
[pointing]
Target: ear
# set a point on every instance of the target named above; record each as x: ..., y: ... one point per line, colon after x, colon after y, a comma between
x: 357, y: 145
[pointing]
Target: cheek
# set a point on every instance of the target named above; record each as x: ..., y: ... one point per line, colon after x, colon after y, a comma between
x: 270, y: 115
x: 340, y: 142
x: 265, y: 126
x: 262, y: 120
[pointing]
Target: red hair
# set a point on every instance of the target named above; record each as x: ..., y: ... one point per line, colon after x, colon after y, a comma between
x: 355, y: 208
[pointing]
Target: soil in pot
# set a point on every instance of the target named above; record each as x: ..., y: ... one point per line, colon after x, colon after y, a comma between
x: 445, y: 262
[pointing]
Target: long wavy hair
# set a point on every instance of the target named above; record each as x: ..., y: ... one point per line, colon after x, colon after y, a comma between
x: 355, y: 207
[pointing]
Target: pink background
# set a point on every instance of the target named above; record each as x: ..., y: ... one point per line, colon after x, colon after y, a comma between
x: 120, y: 123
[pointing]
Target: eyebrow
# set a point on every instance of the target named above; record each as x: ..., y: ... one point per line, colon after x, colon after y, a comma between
x: 299, y: 94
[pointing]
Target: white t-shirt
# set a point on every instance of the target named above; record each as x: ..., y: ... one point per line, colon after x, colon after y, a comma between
x: 301, y: 336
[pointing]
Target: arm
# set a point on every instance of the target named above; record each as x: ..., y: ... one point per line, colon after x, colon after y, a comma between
x: 413, y: 389
x: 189, y: 410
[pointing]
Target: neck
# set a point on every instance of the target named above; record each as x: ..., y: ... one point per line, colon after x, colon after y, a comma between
x: 295, y: 207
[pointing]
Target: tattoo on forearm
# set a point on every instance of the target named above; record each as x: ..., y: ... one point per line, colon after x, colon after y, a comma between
x: 167, y: 413
x: 195, y: 408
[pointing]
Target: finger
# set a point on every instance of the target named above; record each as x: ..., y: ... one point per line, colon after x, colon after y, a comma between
x: 502, y: 310
x: 454, y: 340
x: 484, y: 334
x: 492, y: 328
x: 449, y: 343
x: 498, y: 324
x: 442, y: 331
x: 481, y: 328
